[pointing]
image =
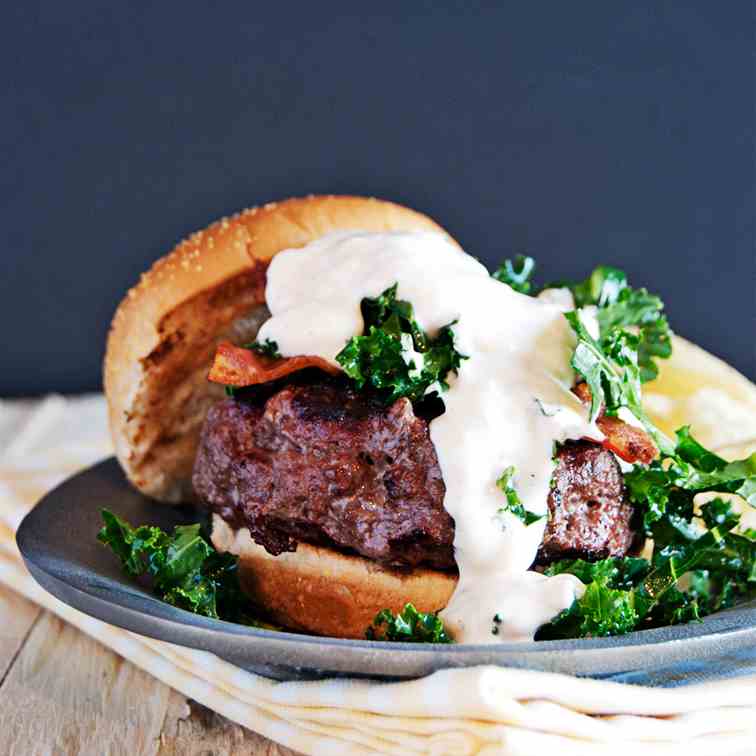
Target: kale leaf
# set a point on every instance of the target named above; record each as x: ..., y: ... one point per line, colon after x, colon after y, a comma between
x: 408, y: 626
x: 622, y: 595
x: 267, y: 348
x: 638, y: 308
x: 183, y: 568
x: 622, y: 573
x: 684, y: 472
x: 618, y: 307
x: 633, y: 334
x: 514, y: 506
x: 602, y: 287
x: 610, y: 365
x: 394, y: 355
x: 606, y: 607
x: 614, y: 383
x: 517, y: 273
x: 610, y: 368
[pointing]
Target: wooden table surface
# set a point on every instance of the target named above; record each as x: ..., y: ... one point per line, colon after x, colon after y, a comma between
x: 63, y: 693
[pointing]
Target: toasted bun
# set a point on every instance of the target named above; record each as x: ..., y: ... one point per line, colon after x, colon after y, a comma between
x: 321, y: 591
x: 211, y: 287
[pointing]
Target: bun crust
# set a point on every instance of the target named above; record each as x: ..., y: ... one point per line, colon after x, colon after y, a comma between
x: 210, y: 288
x: 324, y: 592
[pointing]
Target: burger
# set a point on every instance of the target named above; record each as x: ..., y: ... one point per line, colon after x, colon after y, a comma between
x: 373, y: 421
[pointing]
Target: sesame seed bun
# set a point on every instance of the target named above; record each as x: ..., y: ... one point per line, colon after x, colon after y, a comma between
x: 322, y: 591
x: 210, y: 288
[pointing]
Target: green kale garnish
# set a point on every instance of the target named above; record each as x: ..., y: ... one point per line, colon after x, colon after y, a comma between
x: 691, y: 541
x: 637, y: 308
x: 621, y: 595
x: 633, y: 334
x: 514, y: 506
x: 606, y: 607
x: 517, y: 273
x: 632, y: 331
x: 684, y: 472
x: 267, y: 348
x: 610, y: 368
x: 394, y: 355
x: 623, y: 573
x: 611, y: 373
x: 183, y: 568
x: 619, y: 307
x: 602, y: 287
x: 409, y: 626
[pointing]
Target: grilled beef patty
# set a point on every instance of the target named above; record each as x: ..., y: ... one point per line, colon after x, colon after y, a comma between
x: 324, y: 464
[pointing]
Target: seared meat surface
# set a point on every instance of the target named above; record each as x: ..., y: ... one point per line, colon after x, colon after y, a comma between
x: 323, y: 464
x: 589, y: 514
x: 320, y: 463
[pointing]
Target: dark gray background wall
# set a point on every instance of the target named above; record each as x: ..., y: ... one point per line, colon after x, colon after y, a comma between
x: 580, y: 132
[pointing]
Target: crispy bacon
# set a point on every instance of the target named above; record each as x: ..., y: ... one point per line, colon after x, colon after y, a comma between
x: 627, y: 441
x: 583, y: 392
x: 631, y: 443
x: 236, y: 366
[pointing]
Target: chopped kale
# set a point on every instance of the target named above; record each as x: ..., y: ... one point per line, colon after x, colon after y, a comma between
x: 602, y: 609
x: 183, y: 568
x: 514, y: 506
x: 623, y: 573
x: 409, y: 626
x: 394, y: 356
x: 633, y: 334
x: 517, y: 273
x: 610, y: 368
x: 602, y: 287
x: 618, y: 307
x: 684, y: 472
x: 267, y: 348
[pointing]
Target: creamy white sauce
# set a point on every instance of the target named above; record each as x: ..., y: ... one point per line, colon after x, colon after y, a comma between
x: 510, y: 402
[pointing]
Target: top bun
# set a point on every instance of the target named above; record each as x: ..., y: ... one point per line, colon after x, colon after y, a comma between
x: 210, y: 288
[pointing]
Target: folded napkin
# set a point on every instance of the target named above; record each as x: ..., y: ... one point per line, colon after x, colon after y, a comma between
x: 481, y: 710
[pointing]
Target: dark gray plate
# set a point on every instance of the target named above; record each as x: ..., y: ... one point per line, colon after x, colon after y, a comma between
x: 58, y: 543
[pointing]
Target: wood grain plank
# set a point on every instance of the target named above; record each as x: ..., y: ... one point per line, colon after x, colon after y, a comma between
x: 67, y: 694
x: 191, y: 729
x: 18, y: 617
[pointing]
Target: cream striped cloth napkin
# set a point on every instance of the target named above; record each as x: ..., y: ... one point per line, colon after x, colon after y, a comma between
x: 482, y: 710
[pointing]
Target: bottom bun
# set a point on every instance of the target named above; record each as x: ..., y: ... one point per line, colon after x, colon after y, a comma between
x: 324, y: 592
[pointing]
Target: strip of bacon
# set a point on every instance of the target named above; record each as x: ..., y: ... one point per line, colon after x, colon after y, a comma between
x: 627, y: 441
x: 238, y: 367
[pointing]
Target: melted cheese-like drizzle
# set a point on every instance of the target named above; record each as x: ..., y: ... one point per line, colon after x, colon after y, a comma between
x: 507, y: 406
